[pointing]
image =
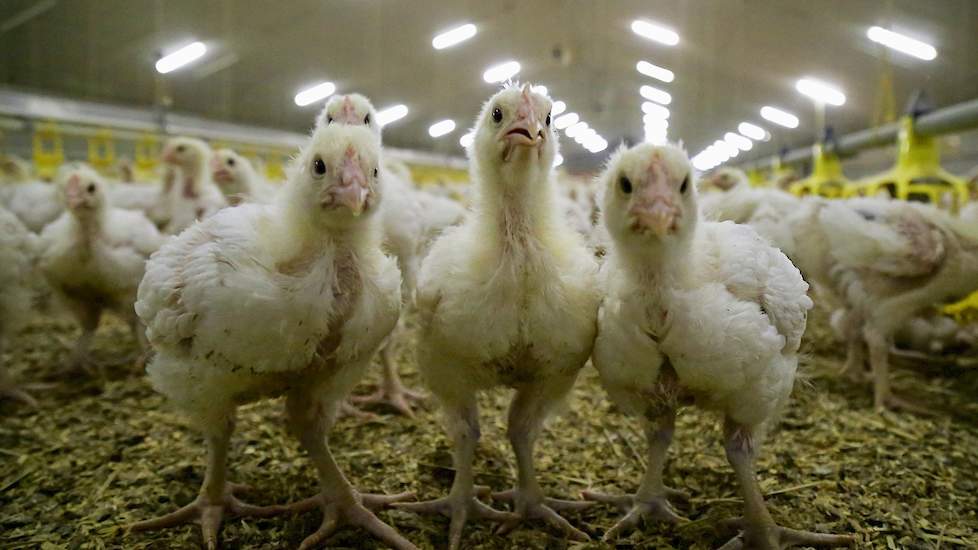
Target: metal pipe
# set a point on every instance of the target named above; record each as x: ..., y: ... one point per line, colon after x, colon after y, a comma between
x: 962, y: 116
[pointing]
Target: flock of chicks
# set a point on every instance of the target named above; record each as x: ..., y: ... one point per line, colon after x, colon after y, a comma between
x: 291, y: 292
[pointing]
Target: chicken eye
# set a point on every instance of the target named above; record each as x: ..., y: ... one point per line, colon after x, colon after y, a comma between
x: 625, y: 184
x: 230, y: 162
x: 548, y: 119
x: 497, y: 115
x: 329, y: 119
x: 682, y: 188
x: 375, y: 172
x: 91, y: 188
x: 366, y: 119
x: 180, y: 148
x: 318, y: 167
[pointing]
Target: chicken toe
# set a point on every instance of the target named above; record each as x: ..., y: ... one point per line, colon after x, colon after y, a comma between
x: 774, y: 537
x: 529, y: 506
x: 638, y: 510
x: 459, y: 509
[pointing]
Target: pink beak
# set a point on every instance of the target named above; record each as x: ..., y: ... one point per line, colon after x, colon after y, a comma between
x: 654, y: 208
x: 352, y: 189
x: 74, y: 195
x: 349, y: 113
x: 525, y: 130
x: 170, y: 156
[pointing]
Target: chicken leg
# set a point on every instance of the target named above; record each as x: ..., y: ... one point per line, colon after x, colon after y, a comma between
x: 10, y: 388
x: 216, y: 497
x: 341, y: 504
x: 650, y: 502
x: 879, y: 358
x: 760, y: 532
x: 461, y: 502
x: 527, y: 412
x: 391, y: 390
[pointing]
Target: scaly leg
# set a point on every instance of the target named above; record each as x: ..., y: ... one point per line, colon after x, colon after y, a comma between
x: 216, y: 497
x: 879, y: 358
x: 855, y: 366
x: 341, y: 504
x: 461, y: 502
x: 391, y: 390
x: 527, y: 412
x: 760, y: 532
x: 650, y: 502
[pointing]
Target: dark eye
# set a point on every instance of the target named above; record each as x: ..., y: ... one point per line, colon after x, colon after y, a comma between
x: 91, y: 188
x: 329, y: 119
x: 375, y: 172
x: 548, y: 119
x: 179, y: 148
x: 626, y: 185
x: 497, y: 115
x: 230, y: 162
x: 682, y: 188
x: 366, y: 119
x: 318, y: 167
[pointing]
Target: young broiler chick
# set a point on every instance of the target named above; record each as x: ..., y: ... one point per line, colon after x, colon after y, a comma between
x: 893, y: 261
x: 291, y: 298
x: 18, y: 253
x: 35, y: 203
x: 238, y: 179
x: 402, y: 228
x: 506, y: 299
x: 195, y: 196
x: 94, y: 255
x: 695, y: 311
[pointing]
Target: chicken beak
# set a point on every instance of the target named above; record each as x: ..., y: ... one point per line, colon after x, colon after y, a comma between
x: 655, y: 210
x: 526, y: 130
x: 352, y: 189
x: 169, y: 156
x: 349, y: 113
x: 73, y: 193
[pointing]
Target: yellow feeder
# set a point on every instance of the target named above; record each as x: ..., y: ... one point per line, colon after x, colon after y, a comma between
x: 918, y: 175
x: 826, y: 180
x: 755, y: 176
x: 147, y: 151
x: 965, y: 311
x: 49, y: 153
x: 275, y: 167
x: 101, y: 151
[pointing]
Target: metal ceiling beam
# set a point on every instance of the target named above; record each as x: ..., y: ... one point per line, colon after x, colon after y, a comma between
x: 962, y: 116
x: 26, y: 14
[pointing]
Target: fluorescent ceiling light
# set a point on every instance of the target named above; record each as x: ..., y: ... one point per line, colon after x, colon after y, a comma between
x: 902, y: 43
x: 584, y: 136
x: 654, y: 31
x: 566, y: 121
x: 575, y: 129
x: 655, y: 122
x: 466, y: 139
x: 655, y: 109
x: 391, y: 114
x: 655, y: 71
x: 655, y: 94
x: 558, y: 160
x: 777, y: 116
x: 820, y: 91
x: 441, y: 128
x: 753, y: 131
x: 187, y: 54
x: 727, y: 149
x: 557, y: 108
x: 542, y: 90
x: 454, y: 36
x: 501, y: 72
x: 738, y: 141
x: 315, y: 93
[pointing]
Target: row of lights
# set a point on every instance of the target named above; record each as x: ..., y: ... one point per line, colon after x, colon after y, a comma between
x: 655, y: 113
x: 822, y: 93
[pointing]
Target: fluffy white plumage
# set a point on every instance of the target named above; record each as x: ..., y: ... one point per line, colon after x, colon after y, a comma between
x: 94, y: 255
x: 18, y: 254
x: 292, y: 297
x: 508, y: 298
x: 695, y: 311
x: 238, y: 180
x: 193, y: 196
x: 35, y: 203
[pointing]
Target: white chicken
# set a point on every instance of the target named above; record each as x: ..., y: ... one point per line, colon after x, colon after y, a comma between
x: 238, y: 179
x: 698, y: 312
x: 506, y: 299
x: 194, y: 197
x: 291, y: 298
x: 18, y: 254
x: 149, y: 198
x: 894, y: 260
x: 35, y: 203
x: 94, y: 255
x: 438, y: 214
x: 400, y: 217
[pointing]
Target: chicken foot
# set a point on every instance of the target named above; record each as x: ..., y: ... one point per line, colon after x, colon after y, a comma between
x: 760, y: 532
x: 391, y: 391
x: 651, y: 501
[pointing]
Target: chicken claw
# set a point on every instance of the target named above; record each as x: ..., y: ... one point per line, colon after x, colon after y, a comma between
x: 395, y: 396
x: 209, y: 515
x: 775, y: 537
x: 543, y: 508
x: 655, y: 509
x: 459, y: 509
x: 358, y: 512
